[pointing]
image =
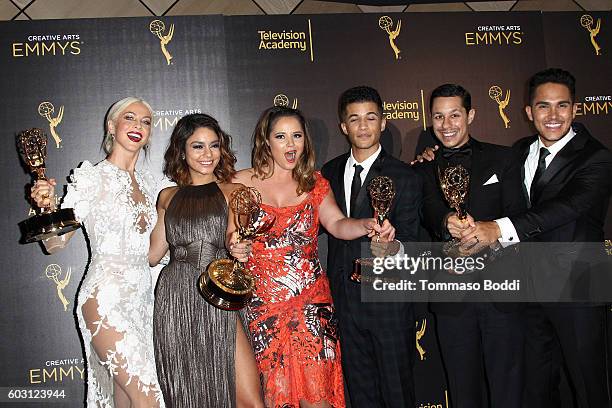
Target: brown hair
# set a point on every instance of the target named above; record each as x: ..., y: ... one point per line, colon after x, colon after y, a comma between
x: 175, y: 166
x: 261, y: 157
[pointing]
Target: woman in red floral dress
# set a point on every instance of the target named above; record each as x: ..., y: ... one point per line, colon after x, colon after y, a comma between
x: 291, y: 315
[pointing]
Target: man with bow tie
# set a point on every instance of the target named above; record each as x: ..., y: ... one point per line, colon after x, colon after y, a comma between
x: 567, y: 182
x: 478, y: 340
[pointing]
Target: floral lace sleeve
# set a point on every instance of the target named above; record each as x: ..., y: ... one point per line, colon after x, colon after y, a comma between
x: 82, y: 190
x: 320, y: 189
x: 150, y: 184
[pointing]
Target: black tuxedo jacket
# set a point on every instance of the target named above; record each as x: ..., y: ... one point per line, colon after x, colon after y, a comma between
x: 572, y: 198
x: 486, y: 201
x: 572, y: 195
x: 404, y: 215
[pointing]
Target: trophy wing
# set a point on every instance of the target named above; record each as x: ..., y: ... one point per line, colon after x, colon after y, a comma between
x: 60, y: 114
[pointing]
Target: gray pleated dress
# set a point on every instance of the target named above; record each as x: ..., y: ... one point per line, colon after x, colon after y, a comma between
x: 194, y: 341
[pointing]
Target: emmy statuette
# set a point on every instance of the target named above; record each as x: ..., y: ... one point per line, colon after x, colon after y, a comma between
x: 455, y: 184
x: 32, y: 146
x: 381, y: 192
x: 226, y: 283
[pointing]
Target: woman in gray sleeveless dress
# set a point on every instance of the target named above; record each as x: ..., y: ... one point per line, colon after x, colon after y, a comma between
x: 202, y: 354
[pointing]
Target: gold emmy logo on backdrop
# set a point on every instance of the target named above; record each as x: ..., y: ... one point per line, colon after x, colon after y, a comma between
x: 283, y: 100
x: 157, y: 27
x: 54, y: 273
x: 46, y: 109
x: 386, y: 24
x: 587, y: 22
x: 419, y: 335
x: 495, y: 93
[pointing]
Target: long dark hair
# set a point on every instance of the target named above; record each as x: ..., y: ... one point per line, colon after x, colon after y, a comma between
x: 175, y: 166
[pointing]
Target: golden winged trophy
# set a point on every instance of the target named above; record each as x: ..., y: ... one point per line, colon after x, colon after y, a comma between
x: 32, y: 147
x: 455, y: 184
x: 226, y: 283
x: 381, y: 192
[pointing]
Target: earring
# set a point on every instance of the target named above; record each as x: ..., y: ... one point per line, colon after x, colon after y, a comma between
x: 182, y: 156
x: 112, y: 135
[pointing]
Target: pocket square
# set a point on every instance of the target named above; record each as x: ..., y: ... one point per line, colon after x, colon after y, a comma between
x: 491, y: 180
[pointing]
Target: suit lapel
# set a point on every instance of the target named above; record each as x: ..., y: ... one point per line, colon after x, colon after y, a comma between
x: 363, y: 201
x: 522, y: 149
x: 562, y: 159
x: 339, y: 181
x: 524, y: 152
x: 478, y: 172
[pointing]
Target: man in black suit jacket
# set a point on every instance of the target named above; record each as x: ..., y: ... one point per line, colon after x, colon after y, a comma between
x: 567, y: 183
x: 377, y: 339
x: 483, y: 337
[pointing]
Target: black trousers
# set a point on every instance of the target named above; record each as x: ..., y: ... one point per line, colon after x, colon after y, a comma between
x: 378, y: 359
x: 482, y: 347
x: 573, y: 336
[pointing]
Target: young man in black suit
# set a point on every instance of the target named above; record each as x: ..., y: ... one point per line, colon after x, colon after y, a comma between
x: 567, y: 183
x: 475, y: 338
x: 377, y: 339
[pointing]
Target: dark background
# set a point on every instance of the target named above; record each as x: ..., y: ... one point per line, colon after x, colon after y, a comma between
x: 218, y: 68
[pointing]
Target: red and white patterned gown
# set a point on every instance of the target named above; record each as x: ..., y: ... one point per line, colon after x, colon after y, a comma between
x: 291, y: 315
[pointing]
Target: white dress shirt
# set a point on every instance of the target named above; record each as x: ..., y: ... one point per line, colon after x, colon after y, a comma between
x: 508, y: 232
x: 349, y: 172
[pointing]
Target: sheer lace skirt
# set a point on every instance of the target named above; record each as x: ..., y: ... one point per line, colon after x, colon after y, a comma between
x: 123, y: 294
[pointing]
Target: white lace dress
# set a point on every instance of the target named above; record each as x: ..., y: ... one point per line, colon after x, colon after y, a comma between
x: 118, y: 276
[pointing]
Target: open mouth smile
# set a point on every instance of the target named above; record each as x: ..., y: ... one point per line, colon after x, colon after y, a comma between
x: 134, y: 136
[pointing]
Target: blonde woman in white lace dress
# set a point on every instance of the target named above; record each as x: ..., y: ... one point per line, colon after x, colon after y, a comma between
x: 116, y: 204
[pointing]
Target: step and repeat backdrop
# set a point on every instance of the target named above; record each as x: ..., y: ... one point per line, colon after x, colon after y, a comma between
x: 63, y: 75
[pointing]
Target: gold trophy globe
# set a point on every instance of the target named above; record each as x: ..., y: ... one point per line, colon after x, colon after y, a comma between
x: 226, y: 283
x: 32, y: 146
x: 455, y: 183
x: 381, y: 192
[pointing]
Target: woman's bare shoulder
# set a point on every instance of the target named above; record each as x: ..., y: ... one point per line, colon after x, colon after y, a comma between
x: 244, y: 176
x: 229, y: 188
x: 165, y: 196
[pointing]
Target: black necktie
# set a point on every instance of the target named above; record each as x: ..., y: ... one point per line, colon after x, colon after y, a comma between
x: 355, y: 187
x: 538, y: 174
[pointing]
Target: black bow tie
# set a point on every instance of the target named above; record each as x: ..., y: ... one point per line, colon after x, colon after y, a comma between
x: 463, y: 151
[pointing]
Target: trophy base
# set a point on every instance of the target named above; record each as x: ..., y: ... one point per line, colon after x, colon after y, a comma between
x: 358, y: 264
x: 453, y: 248
x: 224, y: 287
x: 488, y: 254
x: 47, y: 225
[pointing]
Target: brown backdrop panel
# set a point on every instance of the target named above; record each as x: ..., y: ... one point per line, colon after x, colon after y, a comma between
x: 80, y: 67
x: 569, y: 45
